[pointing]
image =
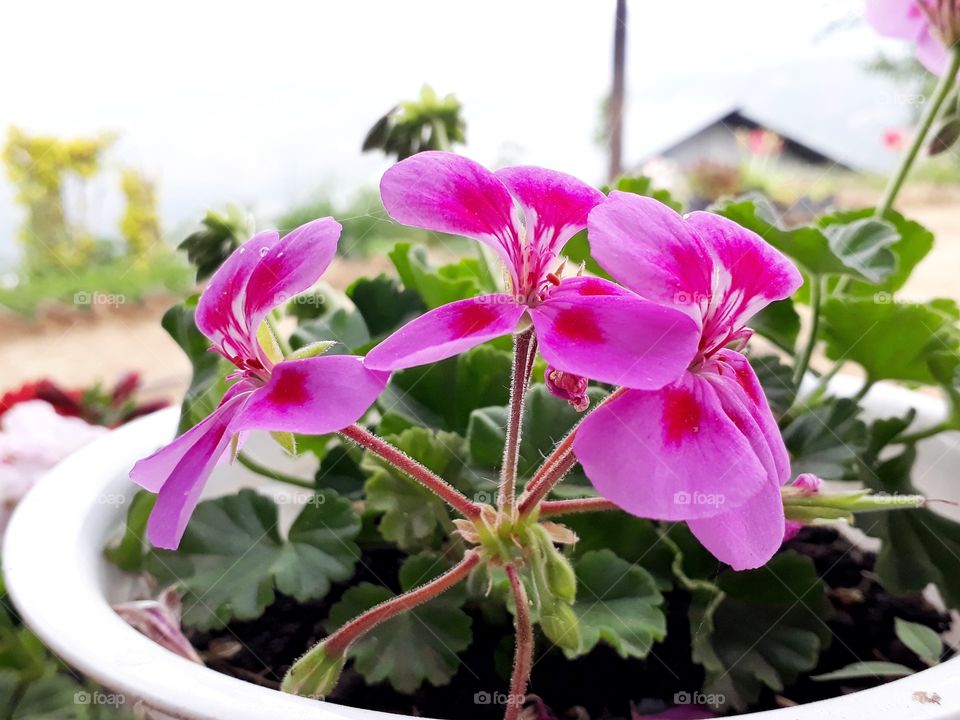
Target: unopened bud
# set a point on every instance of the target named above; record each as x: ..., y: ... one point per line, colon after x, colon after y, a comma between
x: 569, y: 387
x: 560, y: 624
x: 315, y: 674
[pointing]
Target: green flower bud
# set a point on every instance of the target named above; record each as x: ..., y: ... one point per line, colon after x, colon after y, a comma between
x: 315, y: 674
x: 560, y: 624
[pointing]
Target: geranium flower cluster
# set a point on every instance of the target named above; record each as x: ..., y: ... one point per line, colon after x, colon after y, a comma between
x: 688, y: 436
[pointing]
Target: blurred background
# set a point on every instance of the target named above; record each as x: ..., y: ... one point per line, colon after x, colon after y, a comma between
x: 122, y: 124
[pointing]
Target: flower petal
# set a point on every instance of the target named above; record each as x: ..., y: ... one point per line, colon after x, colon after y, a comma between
x: 749, y: 272
x: 289, y: 267
x: 178, y: 472
x: 747, y: 536
x: 594, y: 328
x: 262, y: 273
x: 649, y: 248
x: 896, y: 18
x: 745, y: 402
x: 449, y: 193
x: 446, y: 331
x: 313, y: 396
x: 669, y: 454
x: 555, y: 207
x: 932, y: 53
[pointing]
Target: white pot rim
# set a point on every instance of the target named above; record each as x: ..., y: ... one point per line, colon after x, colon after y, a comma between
x: 55, y: 539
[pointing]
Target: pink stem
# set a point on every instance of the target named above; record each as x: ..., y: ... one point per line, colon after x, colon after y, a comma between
x: 340, y: 640
x: 523, y: 656
x: 553, y: 508
x: 558, y: 463
x: 524, y: 350
x: 403, y: 462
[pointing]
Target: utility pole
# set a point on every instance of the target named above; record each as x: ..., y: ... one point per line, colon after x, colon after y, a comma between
x: 615, y: 110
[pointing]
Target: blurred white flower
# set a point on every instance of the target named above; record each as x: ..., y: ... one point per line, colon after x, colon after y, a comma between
x: 34, y: 438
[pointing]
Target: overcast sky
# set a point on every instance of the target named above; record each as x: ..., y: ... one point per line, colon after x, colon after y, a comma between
x: 264, y: 103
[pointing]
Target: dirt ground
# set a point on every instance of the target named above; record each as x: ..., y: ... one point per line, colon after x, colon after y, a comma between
x: 78, y: 349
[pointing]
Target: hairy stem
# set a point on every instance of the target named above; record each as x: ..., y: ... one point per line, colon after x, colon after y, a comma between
x: 554, y: 508
x: 558, y: 463
x: 340, y: 640
x: 524, y: 350
x: 940, y: 94
x: 523, y: 656
x: 254, y: 466
x: 803, y: 362
x: 282, y: 343
x: 406, y: 464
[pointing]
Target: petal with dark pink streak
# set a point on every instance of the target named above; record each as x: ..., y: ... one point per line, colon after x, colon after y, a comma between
x: 669, y: 454
x: 446, y: 331
x: 449, y: 193
x: 650, y: 249
x: 313, y: 396
x: 595, y: 328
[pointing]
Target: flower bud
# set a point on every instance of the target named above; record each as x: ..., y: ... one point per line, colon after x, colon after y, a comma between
x: 560, y: 624
x: 572, y: 388
x: 315, y: 674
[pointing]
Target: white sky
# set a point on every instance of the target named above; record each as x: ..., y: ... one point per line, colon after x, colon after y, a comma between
x: 264, y: 103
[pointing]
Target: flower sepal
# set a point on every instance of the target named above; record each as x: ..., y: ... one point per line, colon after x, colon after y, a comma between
x: 316, y: 673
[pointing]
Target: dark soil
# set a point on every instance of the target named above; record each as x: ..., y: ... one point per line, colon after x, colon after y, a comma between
x: 601, y: 686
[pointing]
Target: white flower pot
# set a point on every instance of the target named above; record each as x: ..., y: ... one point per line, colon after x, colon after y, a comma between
x: 63, y: 587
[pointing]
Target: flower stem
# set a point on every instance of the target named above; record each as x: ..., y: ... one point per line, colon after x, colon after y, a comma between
x: 524, y: 350
x: 340, y: 640
x: 554, y: 508
x: 940, y: 94
x: 250, y: 464
x: 523, y: 656
x: 803, y: 362
x: 558, y: 463
x: 406, y: 464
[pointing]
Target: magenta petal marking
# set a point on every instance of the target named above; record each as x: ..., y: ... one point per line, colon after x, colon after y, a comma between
x: 446, y: 331
x: 653, y: 456
x: 449, y: 193
x: 617, y: 337
x: 313, y: 396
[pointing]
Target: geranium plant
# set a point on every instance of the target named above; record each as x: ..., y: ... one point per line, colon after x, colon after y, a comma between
x: 588, y: 454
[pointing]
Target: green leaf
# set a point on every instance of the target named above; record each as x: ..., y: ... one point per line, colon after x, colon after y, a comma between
x: 221, y: 234
x: 208, y: 383
x: 383, y: 305
x: 779, y: 323
x: 914, y: 242
x: 869, y: 669
x: 860, y: 249
x: 923, y: 641
x: 232, y: 558
x: 776, y: 379
x: 827, y: 440
x: 130, y: 550
x: 346, y: 327
x: 642, y: 185
x: 618, y: 603
x: 918, y: 547
x: 764, y: 629
x: 415, y: 646
x: 412, y: 515
x: 547, y: 419
x: 861, y: 330
x: 444, y: 394
x: 340, y: 470
x: 437, y: 286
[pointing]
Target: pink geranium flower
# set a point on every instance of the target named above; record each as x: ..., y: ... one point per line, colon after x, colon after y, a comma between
x: 932, y: 25
x: 706, y: 448
x: 313, y: 395
x: 585, y: 326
